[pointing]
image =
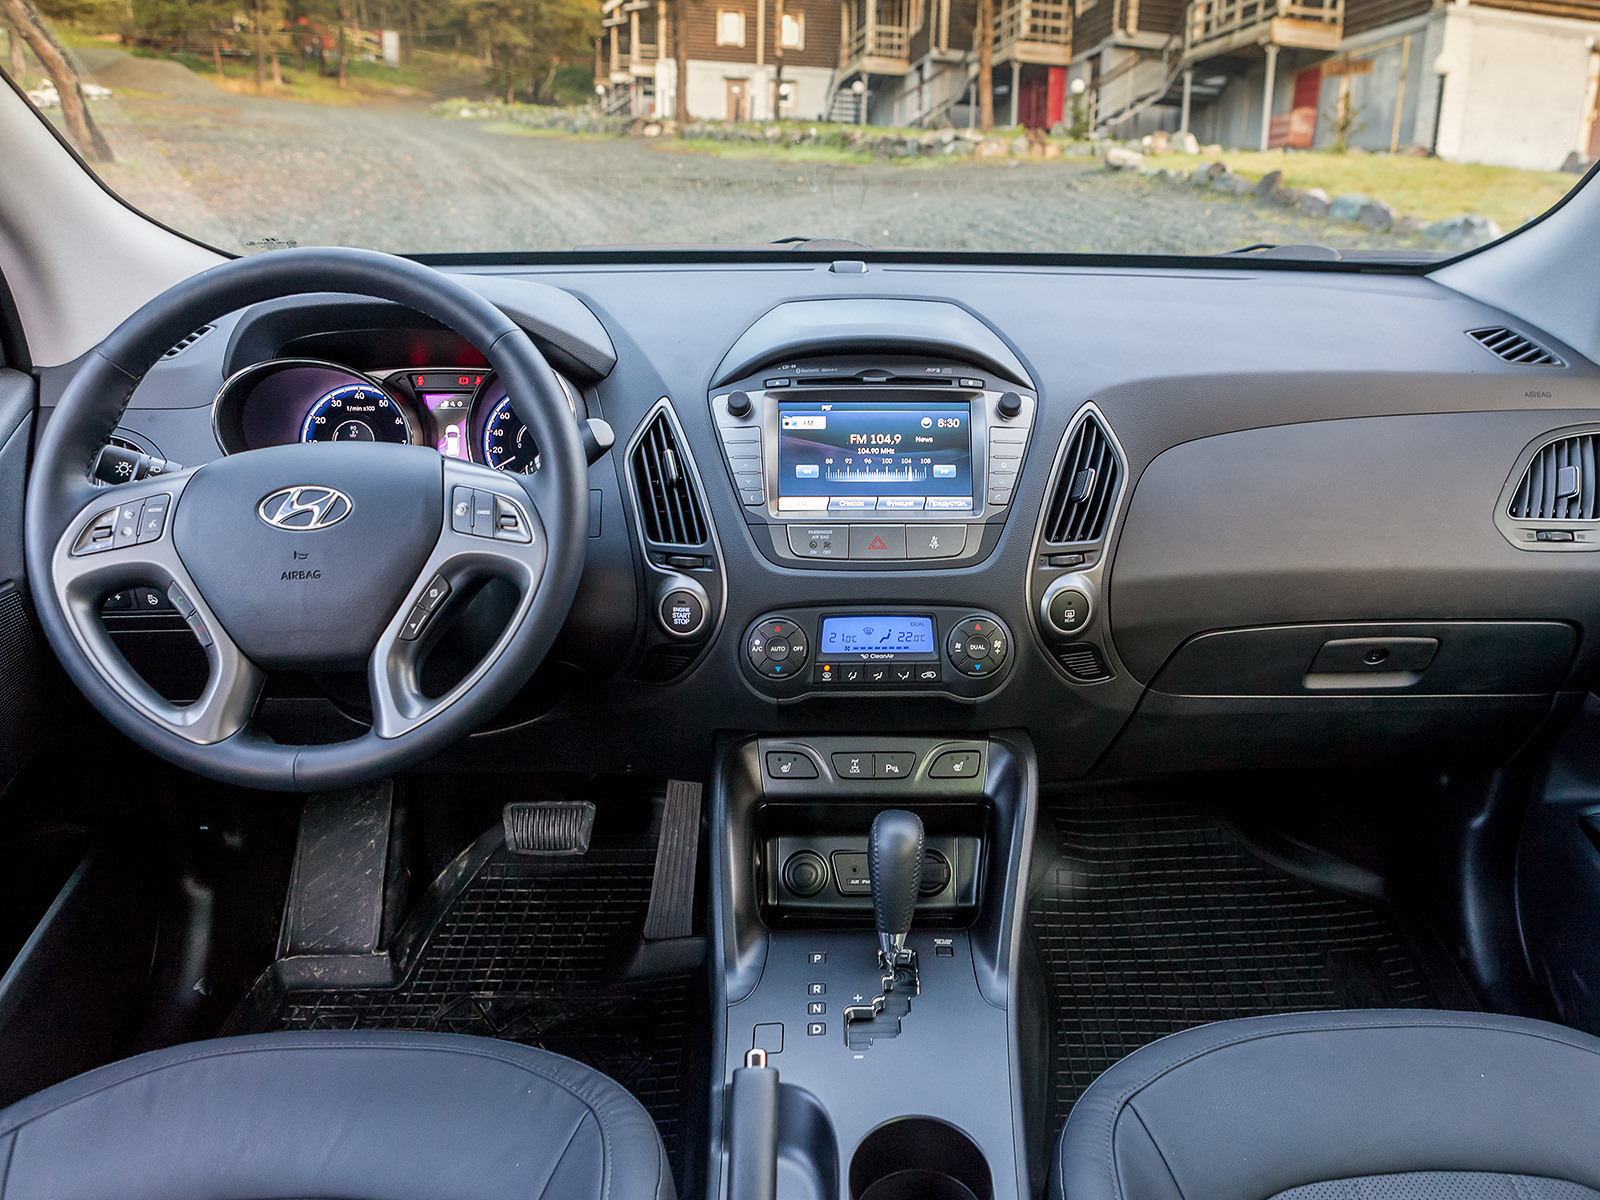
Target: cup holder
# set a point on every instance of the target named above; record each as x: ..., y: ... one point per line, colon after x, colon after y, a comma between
x: 919, y: 1158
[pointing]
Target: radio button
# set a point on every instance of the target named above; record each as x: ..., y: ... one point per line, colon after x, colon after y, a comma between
x: 904, y: 503
x: 852, y: 503
x: 748, y: 482
x: 752, y: 496
x: 741, y: 434
x: 1016, y: 434
x: 949, y: 503
x: 1003, y: 464
x: 935, y: 541
x: 802, y: 503
x: 818, y: 541
x: 877, y: 541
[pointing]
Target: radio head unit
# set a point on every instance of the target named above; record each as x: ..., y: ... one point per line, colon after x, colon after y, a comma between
x: 901, y: 461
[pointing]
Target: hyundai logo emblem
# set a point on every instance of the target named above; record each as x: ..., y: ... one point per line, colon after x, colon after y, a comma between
x: 304, y: 507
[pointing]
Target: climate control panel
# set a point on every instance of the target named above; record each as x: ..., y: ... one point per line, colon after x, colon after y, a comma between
x: 877, y: 649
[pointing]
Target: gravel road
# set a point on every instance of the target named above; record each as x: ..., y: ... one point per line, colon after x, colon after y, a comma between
x: 237, y: 170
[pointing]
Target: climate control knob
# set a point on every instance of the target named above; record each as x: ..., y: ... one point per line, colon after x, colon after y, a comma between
x: 978, y: 646
x: 778, y: 648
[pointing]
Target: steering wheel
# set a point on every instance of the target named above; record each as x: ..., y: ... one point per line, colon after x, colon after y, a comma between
x: 317, y: 557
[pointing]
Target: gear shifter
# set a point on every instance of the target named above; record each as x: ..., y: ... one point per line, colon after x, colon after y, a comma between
x: 894, y: 859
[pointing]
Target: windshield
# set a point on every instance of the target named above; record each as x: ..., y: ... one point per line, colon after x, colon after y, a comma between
x: 1394, y: 128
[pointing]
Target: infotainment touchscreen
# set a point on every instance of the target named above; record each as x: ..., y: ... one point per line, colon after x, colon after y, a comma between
x: 877, y: 638
x: 880, y: 455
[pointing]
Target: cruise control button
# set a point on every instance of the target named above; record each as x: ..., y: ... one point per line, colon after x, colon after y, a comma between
x: 895, y: 765
x: 935, y: 541
x: 483, y: 518
x: 510, y: 525
x: 956, y: 764
x: 877, y: 541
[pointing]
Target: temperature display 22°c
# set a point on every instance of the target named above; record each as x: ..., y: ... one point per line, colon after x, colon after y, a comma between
x: 877, y: 637
x: 356, y: 412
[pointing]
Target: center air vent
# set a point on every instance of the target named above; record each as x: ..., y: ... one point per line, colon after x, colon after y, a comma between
x: 668, y: 504
x: 1560, y: 483
x: 1086, y: 487
x: 1514, y: 347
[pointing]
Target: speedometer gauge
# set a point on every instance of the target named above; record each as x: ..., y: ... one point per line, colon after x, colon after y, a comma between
x: 356, y: 412
x: 507, y: 444
x: 504, y: 440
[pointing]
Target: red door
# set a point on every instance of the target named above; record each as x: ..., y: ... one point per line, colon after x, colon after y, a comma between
x: 1033, y: 101
x: 1056, y: 102
x: 1302, y: 129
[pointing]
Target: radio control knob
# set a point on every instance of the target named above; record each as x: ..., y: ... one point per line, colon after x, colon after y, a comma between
x: 1008, y: 406
x: 738, y: 404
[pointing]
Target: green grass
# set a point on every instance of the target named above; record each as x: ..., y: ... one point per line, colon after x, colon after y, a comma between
x: 517, y: 129
x: 762, y: 150
x: 1430, y: 188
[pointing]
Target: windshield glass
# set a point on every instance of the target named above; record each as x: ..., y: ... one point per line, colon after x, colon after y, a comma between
x: 1394, y: 128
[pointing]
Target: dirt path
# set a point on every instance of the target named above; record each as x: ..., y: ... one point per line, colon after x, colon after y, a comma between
x: 237, y: 170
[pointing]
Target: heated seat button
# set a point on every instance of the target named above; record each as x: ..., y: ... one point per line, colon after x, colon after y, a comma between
x: 790, y: 764
x: 956, y: 764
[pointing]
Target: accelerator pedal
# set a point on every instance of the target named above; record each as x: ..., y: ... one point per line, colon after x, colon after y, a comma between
x: 548, y: 827
x: 671, y: 913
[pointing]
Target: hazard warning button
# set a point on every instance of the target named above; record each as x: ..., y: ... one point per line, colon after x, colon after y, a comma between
x: 877, y: 541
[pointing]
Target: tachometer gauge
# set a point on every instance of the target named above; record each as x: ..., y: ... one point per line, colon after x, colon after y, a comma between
x: 507, y: 444
x: 356, y: 412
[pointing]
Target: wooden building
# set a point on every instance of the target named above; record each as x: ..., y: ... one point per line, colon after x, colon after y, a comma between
x: 1510, y: 82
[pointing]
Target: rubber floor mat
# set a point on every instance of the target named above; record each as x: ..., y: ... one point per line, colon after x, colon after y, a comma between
x: 1154, y: 918
x: 528, y: 950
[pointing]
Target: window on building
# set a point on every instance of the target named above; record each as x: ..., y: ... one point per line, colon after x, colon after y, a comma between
x: 730, y: 28
x: 792, y: 35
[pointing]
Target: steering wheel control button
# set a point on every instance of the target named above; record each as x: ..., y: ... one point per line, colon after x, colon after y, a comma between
x: 434, y: 594
x: 416, y: 621
x: 853, y: 766
x: 877, y: 541
x: 153, y: 520
x: 1068, y: 610
x: 790, y: 764
x: 805, y: 874
x: 510, y: 523
x: 894, y: 764
x: 126, y: 530
x: 819, y: 541
x: 461, y: 504
x: 97, y: 534
x: 956, y: 764
x: 483, y: 514
x: 683, y: 614
x: 935, y: 541
x: 179, y: 601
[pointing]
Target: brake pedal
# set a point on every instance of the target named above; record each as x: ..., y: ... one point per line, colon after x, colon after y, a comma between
x: 548, y: 826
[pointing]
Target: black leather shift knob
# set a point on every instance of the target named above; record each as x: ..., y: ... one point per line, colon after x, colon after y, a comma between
x: 894, y: 858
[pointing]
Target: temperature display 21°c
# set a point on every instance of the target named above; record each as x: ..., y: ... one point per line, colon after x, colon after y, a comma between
x: 877, y: 637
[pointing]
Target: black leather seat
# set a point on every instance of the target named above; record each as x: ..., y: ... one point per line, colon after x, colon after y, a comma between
x: 1379, y: 1105
x: 373, y: 1116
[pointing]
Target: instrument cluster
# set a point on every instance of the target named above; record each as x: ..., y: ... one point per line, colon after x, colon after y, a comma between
x: 463, y: 412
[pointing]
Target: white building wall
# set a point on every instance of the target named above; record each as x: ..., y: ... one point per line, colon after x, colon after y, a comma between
x: 1514, y: 87
x: 708, y: 89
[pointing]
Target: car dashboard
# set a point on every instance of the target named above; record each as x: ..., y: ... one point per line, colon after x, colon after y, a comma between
x: 1161, y: 520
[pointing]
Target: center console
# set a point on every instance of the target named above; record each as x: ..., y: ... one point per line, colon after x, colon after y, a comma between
x: 867, y: 925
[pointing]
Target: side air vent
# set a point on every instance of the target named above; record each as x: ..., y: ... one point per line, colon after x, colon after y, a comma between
x: 1083, y: 663
x: 1560, y: 483
x: 667, y: 500
x: 1086, y: 487
x: 188, y: 341
x: 1514, y: 347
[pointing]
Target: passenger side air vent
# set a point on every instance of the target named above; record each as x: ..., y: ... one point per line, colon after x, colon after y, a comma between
x: 188, y: 341
x: 1560, y: 483
x: 667, y: 502
x: 1514, y: 347
x: 1083, y: 663
x: 1086, y: 487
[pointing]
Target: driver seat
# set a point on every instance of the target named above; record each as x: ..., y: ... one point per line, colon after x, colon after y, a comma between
x: 368, y: 1115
